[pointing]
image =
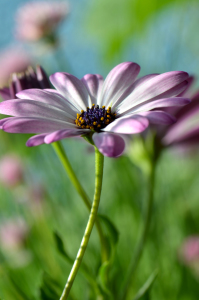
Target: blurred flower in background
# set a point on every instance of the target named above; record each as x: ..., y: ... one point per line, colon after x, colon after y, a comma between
x: 12, y: 60
x: 13, y: 233
x: 189, y: 253
x: 25, y: 80
x: 39, y: 20
x: 11, y: 170
x: 185, y: 132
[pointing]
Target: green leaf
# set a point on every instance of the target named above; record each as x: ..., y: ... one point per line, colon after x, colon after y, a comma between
x: 112, y: 236
x: 61, y: 249
x: 50, y: 288
x: 103, y: 280
x: 147, y: 285
x: 112, y: 230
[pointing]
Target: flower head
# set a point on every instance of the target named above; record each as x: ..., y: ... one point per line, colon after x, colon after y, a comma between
x: 36, y: 20
x: 12, y: 60
x: 26, y: 80
x: 104, y: 109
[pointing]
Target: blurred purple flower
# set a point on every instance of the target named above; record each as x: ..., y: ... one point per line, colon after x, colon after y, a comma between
x: 37, y: 20
x: 185, y: 132
x: 12, y: 60
x: 13, y: 233
x: 105, y: 109
x: 11, y: 170
x: 26, y: 80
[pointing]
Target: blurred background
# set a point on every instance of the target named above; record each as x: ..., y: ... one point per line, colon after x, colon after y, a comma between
x: 36, y: 196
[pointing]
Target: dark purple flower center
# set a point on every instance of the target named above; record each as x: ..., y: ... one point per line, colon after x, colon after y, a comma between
x: 95, y: 118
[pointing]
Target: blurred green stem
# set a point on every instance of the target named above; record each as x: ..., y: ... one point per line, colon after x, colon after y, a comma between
x: 140, y: 247
x: 67, y: 166
x: 99, y: 164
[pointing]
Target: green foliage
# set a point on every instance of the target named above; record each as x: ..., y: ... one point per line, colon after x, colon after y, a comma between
x: 114, y: 22
x: 147, y: 286
x: 61, y: 249
x: 50, y: 288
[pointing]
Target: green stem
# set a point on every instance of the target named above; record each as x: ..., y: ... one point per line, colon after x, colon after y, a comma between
x: 140, y: 247
x: 99, y: 162
x: 67, y: 166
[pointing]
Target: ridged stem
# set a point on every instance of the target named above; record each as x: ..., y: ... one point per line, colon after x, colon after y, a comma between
x: 73, y: 178
x: 99, y: 163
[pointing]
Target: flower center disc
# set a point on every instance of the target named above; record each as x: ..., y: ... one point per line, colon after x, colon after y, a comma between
x: 95, y: 118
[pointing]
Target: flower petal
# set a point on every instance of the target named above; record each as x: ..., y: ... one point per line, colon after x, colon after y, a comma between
x: 117, y: 82
x: 109, y: 144
x: 128, y: 125
x: 93, y: 83
x: 36, y: 140
x: 2, y: 121
x: 158, y: 117
x: 34, y: 125
x: 48, y: 97
x: 190, y: 136
x: 131, y: 88
x: 186, y: 124
x: 61, y: 134
x: 72, y: 89
x: 160, y: 86
x: 166, y: 102
x: 36, y: 109
x: 5, y: 93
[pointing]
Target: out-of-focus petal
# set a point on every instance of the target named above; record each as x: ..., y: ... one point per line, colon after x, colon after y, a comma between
x: 109, y: 144
x: 36, y: 140
x: 190, y: 136
x: 93, y: 83
x: 61, y: 134
x: 128, y: 125
x: 72, y: 88
x: 183, y: 127
x: 5, y: 93
x: 34, y: 125
x: 159, y: 117
x: 158, y: 85
x: 117, y: 82
x: 42, y: 78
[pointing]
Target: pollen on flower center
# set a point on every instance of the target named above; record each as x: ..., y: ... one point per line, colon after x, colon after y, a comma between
x: 95, y: 118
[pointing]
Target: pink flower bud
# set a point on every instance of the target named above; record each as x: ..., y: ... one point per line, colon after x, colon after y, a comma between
x: 189, y: 251
x: 11, y: 170
x: 13, y: 233
x: 36, y: 20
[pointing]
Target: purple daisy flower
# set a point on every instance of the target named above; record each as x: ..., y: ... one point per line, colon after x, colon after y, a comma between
x: 104, y: 109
